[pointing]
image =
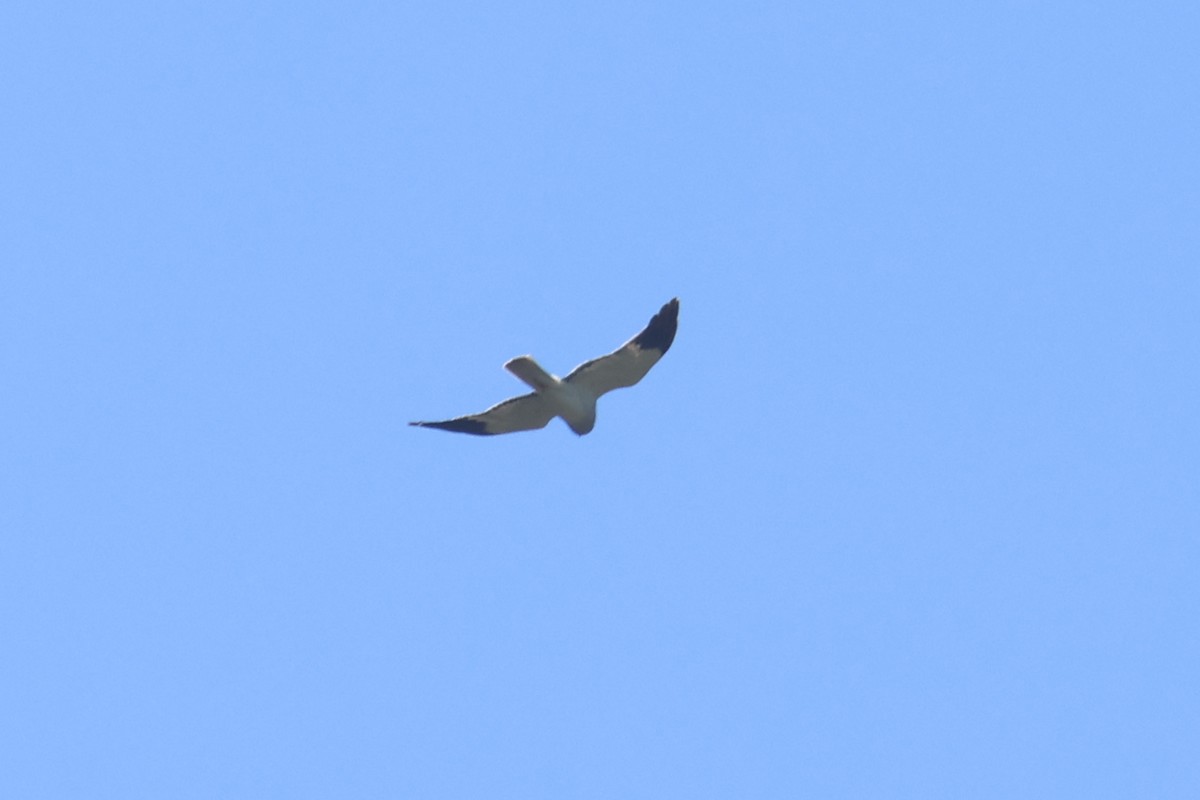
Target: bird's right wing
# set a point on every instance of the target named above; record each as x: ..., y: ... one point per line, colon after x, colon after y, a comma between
x: 630, y: 362
x: 525, y: 413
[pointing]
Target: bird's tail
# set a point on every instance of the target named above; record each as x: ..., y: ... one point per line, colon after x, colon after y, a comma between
x: 528, y: 370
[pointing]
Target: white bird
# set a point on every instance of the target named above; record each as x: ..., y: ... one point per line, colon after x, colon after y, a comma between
x: 574, y: 397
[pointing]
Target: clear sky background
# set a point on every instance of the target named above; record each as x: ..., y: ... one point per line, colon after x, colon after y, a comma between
x: 909, y: 510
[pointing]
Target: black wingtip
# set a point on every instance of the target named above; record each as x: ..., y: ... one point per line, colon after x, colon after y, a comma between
x: 471, y: 426
x: 660, y: 333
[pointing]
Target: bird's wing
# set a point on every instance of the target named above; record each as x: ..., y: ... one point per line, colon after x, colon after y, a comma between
x: 629, y: 363
x: 525, y: 413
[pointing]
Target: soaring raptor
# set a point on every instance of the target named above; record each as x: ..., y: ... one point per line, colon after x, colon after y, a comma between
x: 574, y: 397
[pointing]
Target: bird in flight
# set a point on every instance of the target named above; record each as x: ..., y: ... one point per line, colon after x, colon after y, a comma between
x: 574, y: 397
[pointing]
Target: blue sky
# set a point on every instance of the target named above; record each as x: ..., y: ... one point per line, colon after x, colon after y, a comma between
x: 909, y: 510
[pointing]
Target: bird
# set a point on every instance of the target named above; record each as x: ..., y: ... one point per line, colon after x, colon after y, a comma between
x: 572, y: 398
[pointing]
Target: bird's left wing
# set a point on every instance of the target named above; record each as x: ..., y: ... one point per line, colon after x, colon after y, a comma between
x: 629, y: 363
x: 525, y: 413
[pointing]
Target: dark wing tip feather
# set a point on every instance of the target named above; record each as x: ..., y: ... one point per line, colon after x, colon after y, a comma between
x: 660, y: 333
x: 462, y: 425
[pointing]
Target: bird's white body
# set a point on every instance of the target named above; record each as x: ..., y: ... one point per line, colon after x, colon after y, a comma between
x: 571, y: 401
